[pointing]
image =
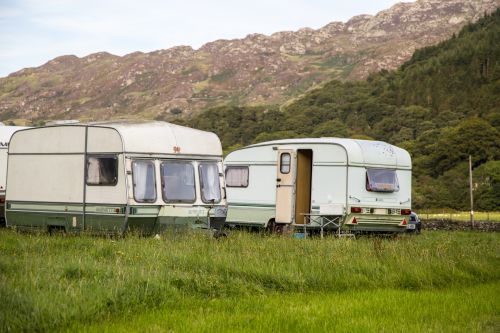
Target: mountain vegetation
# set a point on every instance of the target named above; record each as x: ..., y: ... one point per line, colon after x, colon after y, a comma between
x: 254, y: 70
x: 442, y: 106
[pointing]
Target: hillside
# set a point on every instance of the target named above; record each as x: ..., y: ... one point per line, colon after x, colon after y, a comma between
x: 255, y: 70
x: 442, y: 105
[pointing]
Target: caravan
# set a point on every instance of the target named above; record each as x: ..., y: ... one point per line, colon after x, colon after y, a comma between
x: 325, y: 183
x: 114, y: 177
x: 5, y: 135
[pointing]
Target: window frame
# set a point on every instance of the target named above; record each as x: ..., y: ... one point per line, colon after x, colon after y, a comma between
x: 289, y: 163
x: 113, y: 156
x: 152, y: 162
x: 201, y: 182
x: 163, y: 194
x: 237, y: 167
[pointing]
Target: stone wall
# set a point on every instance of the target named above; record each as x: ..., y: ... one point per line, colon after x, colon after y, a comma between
x: 450, y: 225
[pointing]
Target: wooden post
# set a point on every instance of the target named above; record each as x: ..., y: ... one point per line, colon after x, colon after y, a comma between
x: 471, y: 195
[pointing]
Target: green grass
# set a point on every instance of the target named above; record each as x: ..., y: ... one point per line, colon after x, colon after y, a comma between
x: 250, y: 282
x: 460, y: 216
x: 351, y: 311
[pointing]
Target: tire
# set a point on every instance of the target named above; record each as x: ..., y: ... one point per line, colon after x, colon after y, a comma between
x: 271, y: 226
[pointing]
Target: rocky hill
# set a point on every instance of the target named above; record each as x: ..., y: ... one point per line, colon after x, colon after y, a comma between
x: 255, y: 70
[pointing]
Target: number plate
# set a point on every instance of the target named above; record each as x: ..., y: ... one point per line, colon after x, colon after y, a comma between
x: 410, y: 226
x: 380, y: 211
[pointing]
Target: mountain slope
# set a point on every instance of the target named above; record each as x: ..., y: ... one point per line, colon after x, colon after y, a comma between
x: 442, y: 105
x: 256, y: 70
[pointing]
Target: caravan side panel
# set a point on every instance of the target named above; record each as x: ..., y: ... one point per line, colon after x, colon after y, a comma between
x: 115, y: 194
x: 256, y: 203
x: 3, y: 170
x: 49, y: 140
x: 46, y: 178
x: 104, y: 140
x: 45, y: 190
x: 329, y: 175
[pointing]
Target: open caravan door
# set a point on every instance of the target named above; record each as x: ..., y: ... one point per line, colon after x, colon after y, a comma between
x: 285, y: 186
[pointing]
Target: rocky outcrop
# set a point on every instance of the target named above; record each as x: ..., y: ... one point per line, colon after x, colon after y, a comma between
x: 257, y: 69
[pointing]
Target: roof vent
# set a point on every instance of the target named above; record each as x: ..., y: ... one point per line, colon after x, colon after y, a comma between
x: 62, y: 122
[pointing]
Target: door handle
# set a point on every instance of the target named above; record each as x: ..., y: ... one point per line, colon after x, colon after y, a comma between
x: 278, y: 179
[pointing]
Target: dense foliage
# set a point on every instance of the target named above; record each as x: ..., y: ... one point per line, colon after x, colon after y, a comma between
x: 441, y: 105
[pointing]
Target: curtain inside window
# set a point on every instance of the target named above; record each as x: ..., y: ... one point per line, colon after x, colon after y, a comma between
x: 237, y: 176
x: 101, y: 170
x: 210, y: 186
x: 144, y: 181
x: 93, y: 174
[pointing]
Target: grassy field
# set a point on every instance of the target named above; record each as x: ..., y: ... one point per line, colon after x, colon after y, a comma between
x: 437, y: 281
x: 460, y: 216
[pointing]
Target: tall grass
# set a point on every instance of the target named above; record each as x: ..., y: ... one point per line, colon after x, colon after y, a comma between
x: 52, y: 282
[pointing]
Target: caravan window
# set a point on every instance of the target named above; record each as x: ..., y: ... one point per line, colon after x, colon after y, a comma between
x: 237, y: 176
x: 209, y: 182
x: 177, y: 180
x: 102, y: 170
x: 143, y: 177
x: 381, y: 180
x: 285, y: 163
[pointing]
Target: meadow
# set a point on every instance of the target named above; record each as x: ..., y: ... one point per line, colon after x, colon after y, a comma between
x: 459, y: 216
x: 438, y: 281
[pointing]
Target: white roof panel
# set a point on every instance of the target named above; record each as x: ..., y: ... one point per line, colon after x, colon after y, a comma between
x: 164, y: 138
x: 359, y: 152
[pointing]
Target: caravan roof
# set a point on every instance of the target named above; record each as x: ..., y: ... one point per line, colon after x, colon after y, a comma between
x: 153, y: 137
x: 162, y: 137
x: 359, y: 152
x: 7, y: 131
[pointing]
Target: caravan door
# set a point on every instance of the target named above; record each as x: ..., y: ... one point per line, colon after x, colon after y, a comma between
x: 285, y: 186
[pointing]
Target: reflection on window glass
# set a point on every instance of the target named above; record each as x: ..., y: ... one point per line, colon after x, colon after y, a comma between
x: 210, y: 186
x: 102, y: 170
x: 143, y: 174
x: 178, y: 181
x: 285, y: 163
x: 237, y: 176
x: 381, y: 180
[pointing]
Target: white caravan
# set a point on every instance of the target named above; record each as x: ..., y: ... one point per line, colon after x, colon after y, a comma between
x: 114, y: 177
x: 342, y: 184
x: 5, y: 135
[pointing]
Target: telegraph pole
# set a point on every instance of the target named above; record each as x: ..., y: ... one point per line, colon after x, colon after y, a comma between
x: 471, y: 196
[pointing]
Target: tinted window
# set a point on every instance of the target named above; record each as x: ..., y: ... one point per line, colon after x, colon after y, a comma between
x: 237, y: 176
x: 102, y: 170
x: 209, y: 183
x: 178, y: 181
x: 285, y: 163
x: 381, y: 180
x: 143, y: 175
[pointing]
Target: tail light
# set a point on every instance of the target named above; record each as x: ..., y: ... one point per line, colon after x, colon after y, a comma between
x: 354, y: 221
x: 117, y: 210
x: 355, y: 209
x: 405, y: 211
x: 2, y: 200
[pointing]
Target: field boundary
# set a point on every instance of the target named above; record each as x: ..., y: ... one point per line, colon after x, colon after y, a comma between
x: 453, y: 225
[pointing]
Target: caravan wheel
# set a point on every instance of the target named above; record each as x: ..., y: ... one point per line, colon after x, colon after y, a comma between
x: 271, y: 225
x: 56, y: 230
